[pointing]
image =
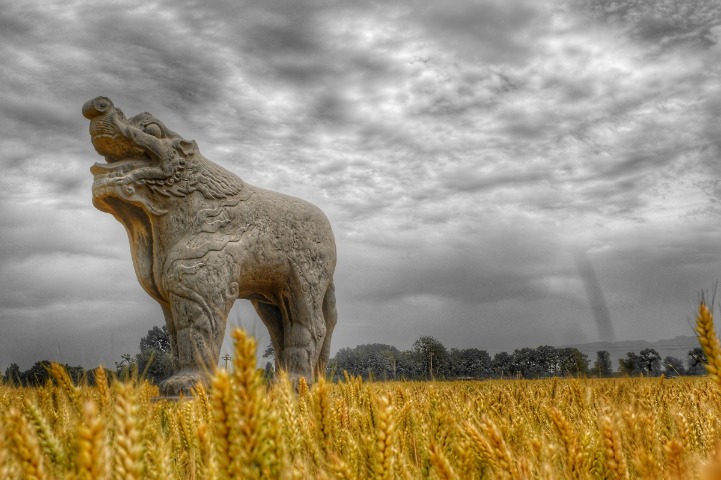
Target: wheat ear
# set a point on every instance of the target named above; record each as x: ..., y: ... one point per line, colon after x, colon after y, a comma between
x: 440, y: 463
x: 27, y: 447
x: 613, y: 450
x: 221, y: 405
x: 61, y: 376
x: 4, y: 448
x: 709, y: 342
x: 92, y: 454
x: 574, y: 456
x: 498, y: 446
x: 324, y: 414
x: 385, y: 426
x: 101, y: 387
x: 49, y: 443
x: 675, y: 460
x: 129, y: 450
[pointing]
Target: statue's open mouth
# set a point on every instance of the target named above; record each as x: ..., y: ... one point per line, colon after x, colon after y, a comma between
x: 117, y: 168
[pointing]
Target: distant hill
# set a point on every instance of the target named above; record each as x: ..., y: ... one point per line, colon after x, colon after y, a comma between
x: 675, y: 347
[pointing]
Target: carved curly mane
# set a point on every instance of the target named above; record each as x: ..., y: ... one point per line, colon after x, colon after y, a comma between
x: 192, y: 171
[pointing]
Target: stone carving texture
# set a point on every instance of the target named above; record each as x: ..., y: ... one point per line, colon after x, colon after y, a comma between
x: 200, y: 238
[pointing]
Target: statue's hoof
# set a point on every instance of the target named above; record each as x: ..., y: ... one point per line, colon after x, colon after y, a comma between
x: 182, y: 382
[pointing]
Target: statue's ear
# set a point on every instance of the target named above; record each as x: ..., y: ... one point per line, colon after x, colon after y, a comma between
x: 187, y: 147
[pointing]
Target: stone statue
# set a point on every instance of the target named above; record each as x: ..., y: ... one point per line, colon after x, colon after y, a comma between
x: 200, y: 237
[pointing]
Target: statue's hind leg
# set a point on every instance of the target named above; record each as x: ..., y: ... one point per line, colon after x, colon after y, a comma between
x: 273, y: 320
x: 330, y: 316
x: 304, y: 330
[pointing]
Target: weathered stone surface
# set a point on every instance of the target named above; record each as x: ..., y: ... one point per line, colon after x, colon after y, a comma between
x: 200, y: 237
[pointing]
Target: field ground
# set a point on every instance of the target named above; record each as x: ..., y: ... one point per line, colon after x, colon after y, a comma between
x: 650, y: 428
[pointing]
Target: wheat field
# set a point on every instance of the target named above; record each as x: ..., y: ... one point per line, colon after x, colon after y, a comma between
x: 240, y: 427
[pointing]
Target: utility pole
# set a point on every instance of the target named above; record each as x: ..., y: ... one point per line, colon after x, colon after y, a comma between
x: 431, y: 366
x: 226, y: 357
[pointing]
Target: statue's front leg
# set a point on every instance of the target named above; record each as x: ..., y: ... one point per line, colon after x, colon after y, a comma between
x: 199, y: 299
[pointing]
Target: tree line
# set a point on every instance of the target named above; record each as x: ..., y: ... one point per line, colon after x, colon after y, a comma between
x: 428, y: 358
x: 154, y: 362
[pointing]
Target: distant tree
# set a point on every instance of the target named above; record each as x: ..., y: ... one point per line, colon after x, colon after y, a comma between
x: 392, y: 356
x: 502, y: 365
x: 469, y: 362
x: 76, y: 373
x: 571, y: 361
x: 631, y: 365
x: 545, y: 361
x: 650, y: 362
x: 37, y: 375
x: 12, y: 374
x: 603, y: 367
x: 269, y: 352
x: 156, y: 339
x: 269, y: 371
x: 696, y: 362
x: 673, y: 367
x: 525, y: 362
x: 548, y: 361
x: 127, y: 367
x: 375, y: 360
x: 407, y: 366
x: 155, y: 359
x: 433, y: 356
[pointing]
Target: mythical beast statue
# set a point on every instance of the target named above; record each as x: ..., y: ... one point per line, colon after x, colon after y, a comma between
x: 200, y: 238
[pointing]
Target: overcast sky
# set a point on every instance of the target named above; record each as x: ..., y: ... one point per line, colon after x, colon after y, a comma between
x: 470, y: 156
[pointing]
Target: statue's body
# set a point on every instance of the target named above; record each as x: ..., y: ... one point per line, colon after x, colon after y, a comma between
x: 200, y: 238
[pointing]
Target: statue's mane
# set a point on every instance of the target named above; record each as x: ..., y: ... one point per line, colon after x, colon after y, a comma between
x: 193, y: 172
x: 213, y: 181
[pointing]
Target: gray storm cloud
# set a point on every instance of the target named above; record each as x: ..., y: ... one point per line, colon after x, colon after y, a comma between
x: 463, y: 154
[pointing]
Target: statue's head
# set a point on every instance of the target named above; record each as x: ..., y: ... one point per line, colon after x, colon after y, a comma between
x: 109, y: 137
x: 148, y: 166
x: 141, y: 156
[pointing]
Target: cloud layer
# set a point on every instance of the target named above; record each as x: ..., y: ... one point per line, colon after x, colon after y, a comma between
x: 465, y: 155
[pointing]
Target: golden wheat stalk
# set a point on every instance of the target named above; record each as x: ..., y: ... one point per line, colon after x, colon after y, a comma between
x: 282, y: 396
x: 101, y: 388
x: 712, y: 469
x: 709, y: 341
x: 613, y: 450
x: 323, y: 412
x: 339, y: 467
x: 253, y: 448
x: 246, y: 383
x: 498, y: 447
x: 481, y: 444
x: 384, y: 454
x: 61, y: 376
x: 26, y: 447
x: 675, y: 460
x: 160, y: 460
x: 440, y: 463
x: 92, y: 454
x: 4, y: 448
x: 221, y: 404
x: 127, y: 442
x: 574, y: 457
x: 49, y: 443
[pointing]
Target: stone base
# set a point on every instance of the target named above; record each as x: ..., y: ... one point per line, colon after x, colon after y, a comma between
x: 182, y: 383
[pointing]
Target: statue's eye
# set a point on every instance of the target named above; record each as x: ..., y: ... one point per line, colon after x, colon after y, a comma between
x: 154, y: 130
